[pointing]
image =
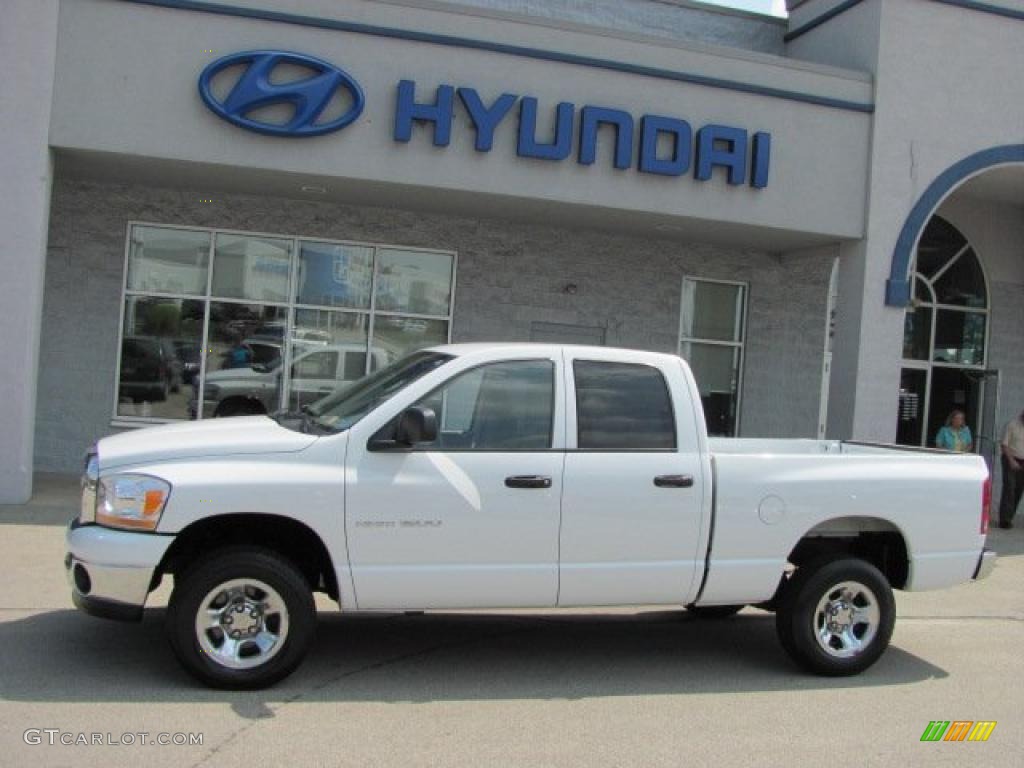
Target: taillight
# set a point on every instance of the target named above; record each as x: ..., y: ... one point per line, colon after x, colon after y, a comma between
x: 986, y: 504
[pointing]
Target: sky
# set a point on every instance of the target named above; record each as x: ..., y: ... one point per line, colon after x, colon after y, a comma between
x: 774, y: 7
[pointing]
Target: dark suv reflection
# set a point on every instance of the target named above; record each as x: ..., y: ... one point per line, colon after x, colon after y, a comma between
x: 150, y: 369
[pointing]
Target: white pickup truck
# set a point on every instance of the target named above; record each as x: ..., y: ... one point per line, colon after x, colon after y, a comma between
x: 500, y: 476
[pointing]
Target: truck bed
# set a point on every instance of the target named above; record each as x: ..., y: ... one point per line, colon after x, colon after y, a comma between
x: 771, y: 493
x: 806, y: 447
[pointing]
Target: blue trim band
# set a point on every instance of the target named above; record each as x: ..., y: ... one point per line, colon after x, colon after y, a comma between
x: 817, y: 21
x: 897, y: 288
x: 509, y: 50
x: 974, y: 5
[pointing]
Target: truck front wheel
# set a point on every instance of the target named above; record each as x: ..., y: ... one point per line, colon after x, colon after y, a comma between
x: 241, y: 618
x: 835, y: 617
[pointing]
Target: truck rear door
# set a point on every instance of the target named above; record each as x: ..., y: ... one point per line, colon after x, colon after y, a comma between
x: 632, y: 495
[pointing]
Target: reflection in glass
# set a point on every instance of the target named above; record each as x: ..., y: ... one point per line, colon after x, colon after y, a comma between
x: 712, y: 311
x: 243, y: 359
x: 622, y: 407
x: 717, y: 370
x: 917, y: 333
x: 164, y: 260
x: 504, y: 406
x: 939, y: 243
x: 959, y: 337
x: 250, y: 267
x: 397, y: 336
x: 159, y: 356
x: 328, y: 351
x: 963, y: 283
x: 922, y: 292
x: 334, y: 275
x: 416, y: 282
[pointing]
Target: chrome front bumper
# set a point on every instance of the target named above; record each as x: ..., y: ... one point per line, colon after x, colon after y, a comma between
x: 986, y: 562
x: 110, y: 572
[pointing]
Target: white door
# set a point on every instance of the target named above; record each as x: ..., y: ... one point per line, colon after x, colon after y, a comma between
x: 633, y: 497
x: 470, y: 520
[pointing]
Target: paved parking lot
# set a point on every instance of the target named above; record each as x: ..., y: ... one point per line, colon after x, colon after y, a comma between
x: 611, y: 688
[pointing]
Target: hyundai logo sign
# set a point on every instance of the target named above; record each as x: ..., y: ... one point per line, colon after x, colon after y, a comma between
x: 255, y: 89
x: 664, y: 145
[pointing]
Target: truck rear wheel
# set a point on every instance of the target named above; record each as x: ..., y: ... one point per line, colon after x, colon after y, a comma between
x: 835, y: 617
x: 241, y: 618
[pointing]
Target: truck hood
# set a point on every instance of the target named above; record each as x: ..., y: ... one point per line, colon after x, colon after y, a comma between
x: 214, y: 437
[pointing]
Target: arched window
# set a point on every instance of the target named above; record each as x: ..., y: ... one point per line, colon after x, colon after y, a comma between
x: 944, y: 335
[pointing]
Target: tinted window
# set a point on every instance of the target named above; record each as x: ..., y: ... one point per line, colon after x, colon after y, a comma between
x: 498, y: 407
x: 620, y: 406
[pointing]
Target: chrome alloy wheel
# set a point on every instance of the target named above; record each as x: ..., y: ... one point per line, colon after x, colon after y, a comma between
x: 241, y: 623
x: 846, y: 619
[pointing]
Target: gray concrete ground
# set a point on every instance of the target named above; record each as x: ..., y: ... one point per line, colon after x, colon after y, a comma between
x: 609, y: 688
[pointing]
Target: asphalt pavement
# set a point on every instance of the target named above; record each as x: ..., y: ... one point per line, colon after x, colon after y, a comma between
x: 638, y: 687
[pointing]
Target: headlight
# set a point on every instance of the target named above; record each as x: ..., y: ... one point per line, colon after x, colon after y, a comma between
x: 90, y: 477
x: 131, y: 501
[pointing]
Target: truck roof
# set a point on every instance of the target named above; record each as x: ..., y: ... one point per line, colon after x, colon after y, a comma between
x: 468, y: 348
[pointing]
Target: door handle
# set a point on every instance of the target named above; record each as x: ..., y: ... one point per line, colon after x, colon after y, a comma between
x: 528, y: 481
x: 674, y: 481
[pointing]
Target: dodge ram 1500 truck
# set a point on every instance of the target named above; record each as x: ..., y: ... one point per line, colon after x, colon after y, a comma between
x: 513, y: 475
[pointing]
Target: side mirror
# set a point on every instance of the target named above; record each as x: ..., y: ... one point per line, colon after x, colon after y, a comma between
x: 416, y: 425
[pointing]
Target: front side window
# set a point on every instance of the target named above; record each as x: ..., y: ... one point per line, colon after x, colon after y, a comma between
x: 226, y: 323
x: 507, y: 406
x: 622, y: 407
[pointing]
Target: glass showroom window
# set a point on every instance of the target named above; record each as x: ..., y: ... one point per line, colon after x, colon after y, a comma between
x: 243, y: 323
x: 711, y: 336
x: 945, y: 329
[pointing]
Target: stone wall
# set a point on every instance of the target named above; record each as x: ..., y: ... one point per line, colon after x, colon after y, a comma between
x: 510, y: 274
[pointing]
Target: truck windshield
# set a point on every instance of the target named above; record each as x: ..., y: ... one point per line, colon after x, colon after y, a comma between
x: 342, y: 409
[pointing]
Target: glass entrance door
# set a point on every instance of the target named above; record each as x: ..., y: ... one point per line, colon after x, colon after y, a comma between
x: 944, y: 338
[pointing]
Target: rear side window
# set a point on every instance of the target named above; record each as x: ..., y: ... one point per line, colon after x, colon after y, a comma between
x: 622, y: 407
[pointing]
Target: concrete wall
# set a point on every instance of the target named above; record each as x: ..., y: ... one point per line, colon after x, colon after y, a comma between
x: 947, y: 86
x: 509, y: 275
x: 28, y: 40
x: 996, y: 230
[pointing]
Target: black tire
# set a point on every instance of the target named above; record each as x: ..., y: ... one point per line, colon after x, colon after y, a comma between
x: 223, y: 566
x: 713, y: 611
x: 797, y: 619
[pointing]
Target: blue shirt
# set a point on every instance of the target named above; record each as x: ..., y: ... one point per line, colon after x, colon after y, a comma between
x: 954, y: 439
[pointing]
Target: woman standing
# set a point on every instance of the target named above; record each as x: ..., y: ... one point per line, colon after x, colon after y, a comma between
x: 1013, y: 471
x: 956, y: 435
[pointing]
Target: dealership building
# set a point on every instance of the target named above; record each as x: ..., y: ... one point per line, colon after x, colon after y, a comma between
x: 217, y: 208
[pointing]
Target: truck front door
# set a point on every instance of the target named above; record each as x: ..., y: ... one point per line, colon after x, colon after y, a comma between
x: 471, y: 519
